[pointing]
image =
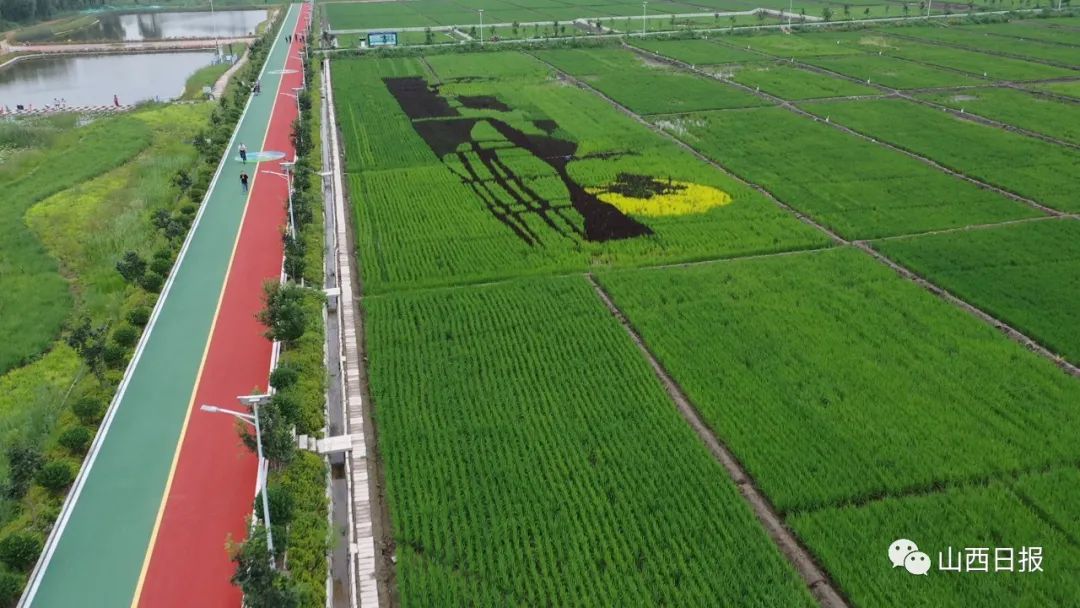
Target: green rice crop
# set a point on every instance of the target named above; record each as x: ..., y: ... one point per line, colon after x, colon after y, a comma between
x: 856, y: 187
x: 645, y: 86
x: 981, y: 41
x: 1041, y: 30
x: 1027, y: 275
x: 1035, y: 113
x: 852, y: 543
x: 419, y: 224
x: 834, y: 380
x: 1070, y: 89
x: 793, y: 83
x: 1030, y: 167
x: 1056, y: 494
x: 973, y: 62
x: 892, y: 71
x: 526, y: 443
x: 697, y: 52
x: 797, y: 45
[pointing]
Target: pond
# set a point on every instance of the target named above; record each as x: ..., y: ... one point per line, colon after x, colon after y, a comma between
x: 152, y: 26
x: 94, y: 79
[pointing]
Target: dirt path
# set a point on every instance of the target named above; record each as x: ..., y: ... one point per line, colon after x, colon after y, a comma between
x: 814, y: 576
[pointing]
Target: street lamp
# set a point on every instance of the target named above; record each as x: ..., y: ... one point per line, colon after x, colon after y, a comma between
x: 264, y: 469
x: 295, y: 95
x: 287, y: 176
x: 481, y: 27
x: 643, y: 5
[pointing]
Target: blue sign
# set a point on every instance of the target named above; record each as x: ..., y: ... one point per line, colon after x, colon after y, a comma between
x: 382, y: 39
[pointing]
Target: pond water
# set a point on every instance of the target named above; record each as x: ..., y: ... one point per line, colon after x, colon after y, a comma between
x: 94, y: 79
x: 148, y: 26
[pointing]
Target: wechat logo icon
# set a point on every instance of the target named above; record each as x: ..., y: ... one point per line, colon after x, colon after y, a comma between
x: 905, y: 553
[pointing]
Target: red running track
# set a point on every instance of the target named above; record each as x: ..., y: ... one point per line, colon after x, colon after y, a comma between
x: 213, y: 486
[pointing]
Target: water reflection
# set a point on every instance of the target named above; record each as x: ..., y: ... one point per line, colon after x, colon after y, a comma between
x: 93, y: 80
x: 147, y: 26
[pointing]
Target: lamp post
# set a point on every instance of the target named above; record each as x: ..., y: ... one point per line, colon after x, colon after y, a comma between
x: 643, y: 5
x: 253, y: 419
x: 481, y: 27
x: 287, y: 176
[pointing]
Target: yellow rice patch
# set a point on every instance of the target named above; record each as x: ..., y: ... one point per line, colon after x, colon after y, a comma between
x: 687, y: 198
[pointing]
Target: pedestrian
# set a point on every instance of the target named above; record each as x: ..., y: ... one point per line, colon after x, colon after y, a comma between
x: 244, y: 180
x: 243, y: 153
x: 258, y: 87
x: 116, y: 100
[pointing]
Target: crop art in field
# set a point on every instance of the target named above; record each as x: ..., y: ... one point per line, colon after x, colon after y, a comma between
x: 507, y: 167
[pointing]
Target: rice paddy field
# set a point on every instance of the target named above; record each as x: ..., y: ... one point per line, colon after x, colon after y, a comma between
x: 585, y: 266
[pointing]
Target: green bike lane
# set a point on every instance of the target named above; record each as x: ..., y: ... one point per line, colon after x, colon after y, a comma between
x: 95, y: 554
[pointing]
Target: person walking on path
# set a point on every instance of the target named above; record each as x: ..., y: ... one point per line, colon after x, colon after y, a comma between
x: 116, y: 100
x: 244, y: 180
x: 243, y: 153
x: 258, y: 87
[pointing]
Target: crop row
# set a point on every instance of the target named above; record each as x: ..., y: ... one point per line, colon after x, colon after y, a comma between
x: 833, y: 381
x: 489, y: 208
x: 644, y: 86
x: 1027, y: 275
x: 979, y: 41
x: 854, y: 186
x: 532, y: 458
x: 1030, y: 167
x: 1035, y: 113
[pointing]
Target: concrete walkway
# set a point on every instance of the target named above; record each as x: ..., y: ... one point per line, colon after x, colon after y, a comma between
x: 127, y: 47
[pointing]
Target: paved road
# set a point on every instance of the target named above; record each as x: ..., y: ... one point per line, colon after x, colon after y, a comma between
x: 117, y: 47
x: 100, y: 550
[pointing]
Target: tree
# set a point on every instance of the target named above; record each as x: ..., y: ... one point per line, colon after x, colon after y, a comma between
x: 826, y: 13
x: 760, y: 16
x: 555, y: 28
x: 866, y: 12
x: 89, y: 342
x: 278, y: 445
x: 283, y: 315
x: 514, y: 28
x: 131, y: 266
x: 907, y: 9
x: 24, y: 461
x: 55, y: 476
x: 429, y: 38
x: 19, y: 550
x: 76, y: 440
x: 263, y: 586
x: 847, y: 11
x: 88, y: 409
x: 732, y: 20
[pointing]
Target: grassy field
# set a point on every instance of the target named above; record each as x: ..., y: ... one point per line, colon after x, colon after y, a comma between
x: 697, y: 52
x: 527, y: 443
x: 1027, y: 275
x: 1049, y: 52
x: 1017, y: 163
x: 34, y: 296
x: 853, y: 186
x: 901, y: 391
x: 431, y: 214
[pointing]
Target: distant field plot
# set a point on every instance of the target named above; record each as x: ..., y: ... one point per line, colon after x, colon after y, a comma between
x: 1059, y: 119
x: 852, y: 543
x: 697, y: 52
x: 796, y: 45
x: 973, y: 62
x: 483, y: 166
x: 1036, y: 169
x: 834, y: 380
x: 857, y: 188
x: 793, y: 83
x: 526, y: 442
x: 1042, y: 30
x: 980, y: 41
x: 1027, y: 275
x: 645, y: 86
x: 1071, y: 89
x: 892, y: 71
